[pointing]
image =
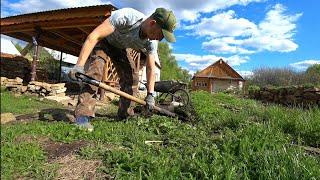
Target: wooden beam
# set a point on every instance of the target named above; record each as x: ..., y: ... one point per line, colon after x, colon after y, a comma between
x: 45, y: 42
x: 66, y: 37
x: 83, y: 29
x: 60, y: 15
x: 73, y: 23
x: 45, y: 37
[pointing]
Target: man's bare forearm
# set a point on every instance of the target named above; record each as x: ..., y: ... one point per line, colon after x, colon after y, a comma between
x: 151, y: 69
x: 86, y: 50
x: 100, y: 32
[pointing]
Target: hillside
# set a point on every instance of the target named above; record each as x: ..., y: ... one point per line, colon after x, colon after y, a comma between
x: 232, y: 139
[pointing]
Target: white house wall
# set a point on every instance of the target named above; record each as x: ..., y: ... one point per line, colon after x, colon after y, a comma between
x: 143, y: 75
x: 220, y: 85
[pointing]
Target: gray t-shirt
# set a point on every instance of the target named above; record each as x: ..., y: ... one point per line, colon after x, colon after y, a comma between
x: 126, y: 23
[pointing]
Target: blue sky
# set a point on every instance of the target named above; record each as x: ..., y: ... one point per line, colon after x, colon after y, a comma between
x: 248, y: 34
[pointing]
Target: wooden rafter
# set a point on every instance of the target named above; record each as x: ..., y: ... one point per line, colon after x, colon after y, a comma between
x: 66, y: 37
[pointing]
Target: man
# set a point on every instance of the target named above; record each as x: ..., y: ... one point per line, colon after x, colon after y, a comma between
x: 125, y: 28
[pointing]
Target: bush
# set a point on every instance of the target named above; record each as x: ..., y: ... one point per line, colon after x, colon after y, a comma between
x: 285, y: 77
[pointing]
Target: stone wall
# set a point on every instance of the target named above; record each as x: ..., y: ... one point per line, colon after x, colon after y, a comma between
x: 295, y: 95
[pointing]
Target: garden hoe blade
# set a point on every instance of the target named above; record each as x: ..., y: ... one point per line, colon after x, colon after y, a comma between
x: 89, y: 80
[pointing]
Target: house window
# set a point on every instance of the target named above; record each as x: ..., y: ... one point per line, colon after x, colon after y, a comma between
x: 201, y: 84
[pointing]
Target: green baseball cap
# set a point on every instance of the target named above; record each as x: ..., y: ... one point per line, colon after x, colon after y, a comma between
x: 167, y: 21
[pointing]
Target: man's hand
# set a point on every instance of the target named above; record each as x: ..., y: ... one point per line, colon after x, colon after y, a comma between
x: 150, y: 101
x: 74, y: 70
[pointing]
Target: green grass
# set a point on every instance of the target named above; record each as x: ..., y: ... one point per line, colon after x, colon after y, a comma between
x: 233, y: 139
x: 23, y: 104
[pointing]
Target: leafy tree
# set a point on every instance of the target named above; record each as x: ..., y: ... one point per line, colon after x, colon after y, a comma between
x: 312, y: 74
x: 46, y: 61
x: 169, y: 66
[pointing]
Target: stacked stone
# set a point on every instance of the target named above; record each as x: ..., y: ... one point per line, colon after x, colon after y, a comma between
x: 14, y: 85
x: 34, y: 87
x: 3, y: 81
x: 46, y: 89
x: 293, y: 95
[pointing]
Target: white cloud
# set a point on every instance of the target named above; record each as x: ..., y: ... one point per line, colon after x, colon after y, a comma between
x: 198, y: 60
x: 30, y: 6
x: 226, y: 45
x: 224, y: 24
x: 245, y: 73
x: 303, y: 65
x: 227, y: 34
x: 185, y: 10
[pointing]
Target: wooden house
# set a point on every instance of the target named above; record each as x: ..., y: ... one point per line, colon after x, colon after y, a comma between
x: 217, y: 77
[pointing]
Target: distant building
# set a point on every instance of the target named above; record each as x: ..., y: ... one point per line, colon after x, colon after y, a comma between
x: 217, y: 77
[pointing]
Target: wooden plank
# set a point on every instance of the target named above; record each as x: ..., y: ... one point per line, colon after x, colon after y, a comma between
x: 60, y: 15
x: 83, y: 29
x: 66, y: 37
x: 47, y: 25
x: 46, y: 43
x: 62, y: 44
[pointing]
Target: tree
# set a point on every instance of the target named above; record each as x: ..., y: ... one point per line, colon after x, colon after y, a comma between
x: 312, y: 74
x: 169, y: 66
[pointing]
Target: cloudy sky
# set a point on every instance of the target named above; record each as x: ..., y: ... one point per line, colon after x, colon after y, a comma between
x: 248, y: 34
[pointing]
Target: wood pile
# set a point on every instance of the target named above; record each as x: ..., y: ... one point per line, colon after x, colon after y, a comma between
x: 294, y: 95
x: 15, y: 66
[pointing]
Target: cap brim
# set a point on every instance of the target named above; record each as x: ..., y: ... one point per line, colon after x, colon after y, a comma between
x: 169, y: 36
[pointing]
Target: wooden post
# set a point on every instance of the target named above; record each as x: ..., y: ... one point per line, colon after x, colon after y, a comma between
x: 60, y: 67
x: 104, y: 78
x: 35, y: 59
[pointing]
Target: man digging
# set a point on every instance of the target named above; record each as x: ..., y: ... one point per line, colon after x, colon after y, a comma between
x: 125, y: 28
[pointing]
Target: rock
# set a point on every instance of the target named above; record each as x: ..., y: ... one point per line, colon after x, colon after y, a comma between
x: 61, y: 90
x: 58, y: 99
x: 19, y: 80
x: 7, y: 117
x: 23, y: 89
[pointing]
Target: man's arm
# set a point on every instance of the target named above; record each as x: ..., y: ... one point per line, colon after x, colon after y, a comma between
x: 100, y: 32
x: 151, y: 69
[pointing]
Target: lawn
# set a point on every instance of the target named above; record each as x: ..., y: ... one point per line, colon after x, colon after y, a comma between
x: 233, y: 138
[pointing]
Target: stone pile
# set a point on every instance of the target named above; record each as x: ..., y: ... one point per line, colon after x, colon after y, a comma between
x: 294, y: 95
x: 14, y: 85
x: 46, y: 89
x: 34, y: 87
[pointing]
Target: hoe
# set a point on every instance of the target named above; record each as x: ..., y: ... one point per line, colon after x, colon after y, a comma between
x: 170, y: 90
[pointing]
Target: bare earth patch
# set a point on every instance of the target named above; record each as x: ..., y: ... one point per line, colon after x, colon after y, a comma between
x: 57, y: 149
x: 63, y: 154
x: 73, y: 168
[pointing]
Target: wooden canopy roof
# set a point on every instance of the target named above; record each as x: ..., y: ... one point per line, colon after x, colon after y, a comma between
x: 219, y: 70
x: 62, y: 30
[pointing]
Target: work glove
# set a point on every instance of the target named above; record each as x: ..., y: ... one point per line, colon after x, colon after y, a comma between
x: 74, y: 70
x: 149, y: 102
